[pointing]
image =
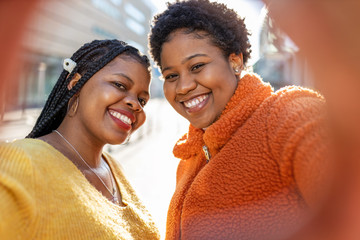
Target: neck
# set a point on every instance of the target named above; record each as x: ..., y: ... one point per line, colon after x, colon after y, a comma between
x: 84, y: 144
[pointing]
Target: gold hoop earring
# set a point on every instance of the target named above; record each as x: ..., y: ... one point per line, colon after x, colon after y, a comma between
x: 73, y: 105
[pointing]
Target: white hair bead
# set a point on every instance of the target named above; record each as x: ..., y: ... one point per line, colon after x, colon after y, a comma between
x: 69, y: 65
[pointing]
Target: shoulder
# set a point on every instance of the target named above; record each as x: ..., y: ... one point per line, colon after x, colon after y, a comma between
x: 18, y: 149
x: 294, y: 106
x: 27, y: 146
x: 297, y: 99
x: 17, y: 186
x: 296, y: 120
x: 16, y: 158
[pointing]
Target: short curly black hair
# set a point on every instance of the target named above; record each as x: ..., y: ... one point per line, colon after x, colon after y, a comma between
x: 225, y: 28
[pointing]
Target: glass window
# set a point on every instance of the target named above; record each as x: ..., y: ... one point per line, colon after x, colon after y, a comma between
x: 134, y: 12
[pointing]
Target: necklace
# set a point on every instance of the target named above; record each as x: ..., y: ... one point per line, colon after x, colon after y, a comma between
x: 114, y: 198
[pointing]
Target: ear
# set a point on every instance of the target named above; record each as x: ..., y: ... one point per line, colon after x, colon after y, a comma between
x: 236, y: 61
x: 73, y: 81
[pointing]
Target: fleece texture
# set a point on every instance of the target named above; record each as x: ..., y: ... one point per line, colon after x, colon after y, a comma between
x: 267, y: 151
x: 44, y: 196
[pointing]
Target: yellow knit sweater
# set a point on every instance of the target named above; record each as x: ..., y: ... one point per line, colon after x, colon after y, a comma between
x: 44, y: 196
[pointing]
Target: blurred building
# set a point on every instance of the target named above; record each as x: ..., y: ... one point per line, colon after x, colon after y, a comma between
x: 280, y: 62
x: 59, y: 28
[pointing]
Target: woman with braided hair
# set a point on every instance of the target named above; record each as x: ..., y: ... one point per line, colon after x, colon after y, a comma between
x: 253, y: 163
x: 58, y: 183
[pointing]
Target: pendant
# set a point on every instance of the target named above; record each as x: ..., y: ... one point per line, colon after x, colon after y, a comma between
x: 115, y: 200
x: 207, y: 153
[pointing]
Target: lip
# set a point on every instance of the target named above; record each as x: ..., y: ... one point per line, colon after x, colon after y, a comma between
x: 199, y: 107
x: 184, y: 98
x: 120, y: 123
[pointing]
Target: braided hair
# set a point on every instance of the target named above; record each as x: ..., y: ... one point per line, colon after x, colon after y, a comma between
x: 222, y: 25
x: 90, y: 58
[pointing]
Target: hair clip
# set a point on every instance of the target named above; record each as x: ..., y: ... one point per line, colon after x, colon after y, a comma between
x: 69, y: 65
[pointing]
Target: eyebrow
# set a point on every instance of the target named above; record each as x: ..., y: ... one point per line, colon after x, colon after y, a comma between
x: 130, y: 80
x: 125, y: 76
x: 187, y: 59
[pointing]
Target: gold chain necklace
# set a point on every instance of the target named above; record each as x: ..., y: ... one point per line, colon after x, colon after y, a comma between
x: 114, y: 198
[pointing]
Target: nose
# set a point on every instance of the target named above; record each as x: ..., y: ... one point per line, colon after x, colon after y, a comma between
x: 133, y: 103
x: 185, y: 84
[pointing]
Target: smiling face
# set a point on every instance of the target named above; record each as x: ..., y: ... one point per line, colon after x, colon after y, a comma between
x: 111, y: 102
x: 199, y: 79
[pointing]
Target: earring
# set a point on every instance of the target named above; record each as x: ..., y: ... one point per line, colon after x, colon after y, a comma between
x: 237, y: 70
x: 73, y: 105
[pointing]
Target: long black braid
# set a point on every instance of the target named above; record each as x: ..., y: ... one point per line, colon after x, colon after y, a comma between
x: 90, y: 58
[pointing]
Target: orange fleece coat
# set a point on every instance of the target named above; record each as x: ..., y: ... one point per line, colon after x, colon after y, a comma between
x: 266, y: 154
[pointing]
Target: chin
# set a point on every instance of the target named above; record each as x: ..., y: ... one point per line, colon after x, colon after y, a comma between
x: 200, y: 125
x: 203, y: 123
x: 116, y: 141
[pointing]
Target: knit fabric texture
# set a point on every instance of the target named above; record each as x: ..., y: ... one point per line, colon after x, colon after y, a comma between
x: 43, y: 195
x: 267, y: 154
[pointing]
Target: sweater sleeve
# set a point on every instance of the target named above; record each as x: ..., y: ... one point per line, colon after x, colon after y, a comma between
x: 17, y: 207
x: 298, y: 142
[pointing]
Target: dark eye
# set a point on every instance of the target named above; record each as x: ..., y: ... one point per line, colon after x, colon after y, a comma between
x: 171, y: 77
x: 197, y: 66
x: 142, y: 102
x: 119, y: 85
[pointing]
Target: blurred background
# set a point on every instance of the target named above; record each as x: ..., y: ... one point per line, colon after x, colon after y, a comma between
x: 58, y: 28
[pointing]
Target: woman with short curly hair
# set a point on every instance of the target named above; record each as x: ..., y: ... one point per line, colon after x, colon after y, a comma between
x: 252, y: 162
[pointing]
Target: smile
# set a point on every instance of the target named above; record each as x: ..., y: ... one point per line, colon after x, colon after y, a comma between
x: 121, y: 117
x: 195, y: 102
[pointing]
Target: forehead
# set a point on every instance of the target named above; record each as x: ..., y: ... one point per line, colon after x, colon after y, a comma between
x: 124, y: 65
x: 185, y: 33
x: 124, y: 59
x: 181, y: 44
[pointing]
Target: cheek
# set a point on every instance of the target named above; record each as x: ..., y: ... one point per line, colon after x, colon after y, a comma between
x: 169, y: 91
x: 232, y: 85
x: 140, y: 120
x: 228, y: 85
x: 100, y: 94
x: 108, y: 94
x: 224, y: 93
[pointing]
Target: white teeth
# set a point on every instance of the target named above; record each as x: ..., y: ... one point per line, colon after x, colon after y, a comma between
x: 195, y: 101
x: 121, y: 117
